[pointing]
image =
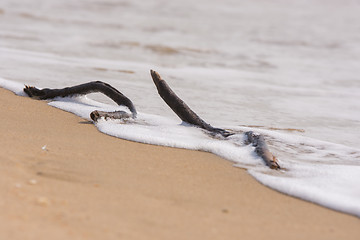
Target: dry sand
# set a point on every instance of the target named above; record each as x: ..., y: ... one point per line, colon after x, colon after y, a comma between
x: 62, y: 179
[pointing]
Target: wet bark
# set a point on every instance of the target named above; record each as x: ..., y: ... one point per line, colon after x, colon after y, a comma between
x: 261, y: 149
x: 180, y: 108
x: 83, y: 89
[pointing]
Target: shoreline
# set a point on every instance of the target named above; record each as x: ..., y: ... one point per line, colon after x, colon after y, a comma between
x: 62, y: 178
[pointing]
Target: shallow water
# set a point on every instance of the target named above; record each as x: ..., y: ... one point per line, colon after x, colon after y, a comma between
x: 287, y: 69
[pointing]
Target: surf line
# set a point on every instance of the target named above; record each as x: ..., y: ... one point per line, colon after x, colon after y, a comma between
x: 179, y: 107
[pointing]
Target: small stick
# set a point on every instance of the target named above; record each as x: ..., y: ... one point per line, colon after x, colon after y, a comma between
x: 82, y: 89
x: 261, y: 148
x: 180, y: 108
x: 95, y: 115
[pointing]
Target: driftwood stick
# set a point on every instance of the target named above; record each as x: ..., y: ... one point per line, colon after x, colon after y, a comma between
x: 261, y: 148
x: 95, y: 115
x: 187, y: 115
x: 180, y: 108
x: 82, y: 89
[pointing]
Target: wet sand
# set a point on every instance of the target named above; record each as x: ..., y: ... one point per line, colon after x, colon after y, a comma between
x: 62, y: 179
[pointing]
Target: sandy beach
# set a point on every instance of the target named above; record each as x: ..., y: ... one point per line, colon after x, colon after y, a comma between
x: 62, y: 179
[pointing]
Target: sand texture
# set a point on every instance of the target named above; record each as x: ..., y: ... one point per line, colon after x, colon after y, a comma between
x: 62, y: 179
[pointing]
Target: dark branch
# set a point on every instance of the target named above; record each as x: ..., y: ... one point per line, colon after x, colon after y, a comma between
x: 187, y: 115
x: 180, y: 108
x: 83, y: 89
x: 95, y: 115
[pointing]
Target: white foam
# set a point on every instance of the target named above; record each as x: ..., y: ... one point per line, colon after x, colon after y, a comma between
x: 15, y: 87
x: 332, y: 185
